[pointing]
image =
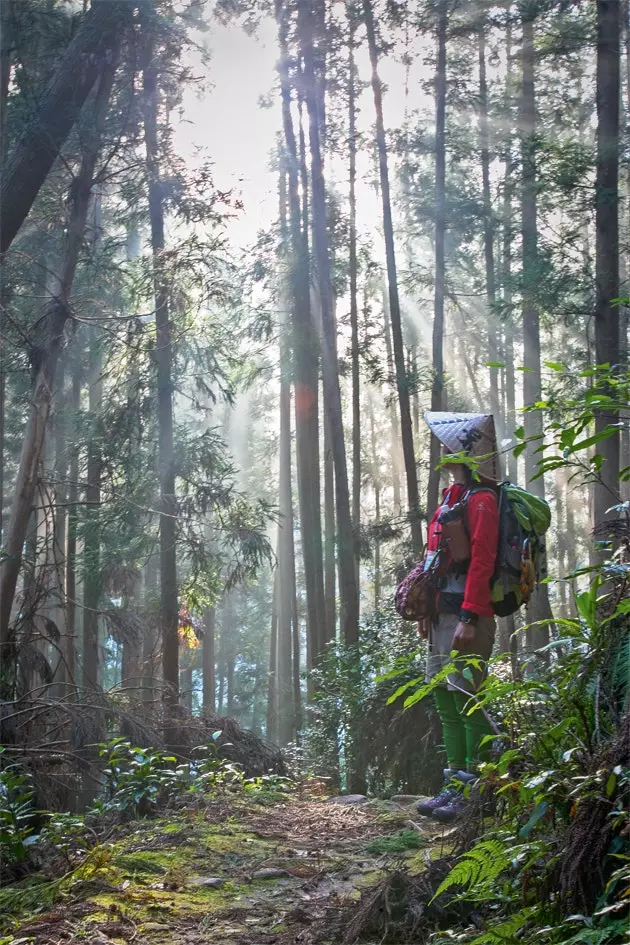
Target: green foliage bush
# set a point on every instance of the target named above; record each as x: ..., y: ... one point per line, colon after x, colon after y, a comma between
x: 555, y: 864
x: 17, y: 816
x: 352, y: 725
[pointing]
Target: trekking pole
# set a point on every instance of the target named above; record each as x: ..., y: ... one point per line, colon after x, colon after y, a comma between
x: 471, y: 695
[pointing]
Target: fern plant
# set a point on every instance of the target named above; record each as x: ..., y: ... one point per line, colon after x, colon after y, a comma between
x: 476, y: 872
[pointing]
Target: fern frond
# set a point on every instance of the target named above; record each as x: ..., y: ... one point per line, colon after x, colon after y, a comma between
x: 620, y: 670
x: 507, y: 932
x: 478, y: 869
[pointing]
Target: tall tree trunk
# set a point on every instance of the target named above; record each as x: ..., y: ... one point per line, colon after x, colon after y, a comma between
x: 607, y: 239
x: 229, y: 684
x: 376, y: 482
x: 92, y: 578
x: 272, y: 687
x: 6, y: 56
x: 437, y: 389
x: 90, y: 54
x: 286, y: 590
x: 49, y: 343
x: 286, y: 482
x: 394, y: 301
x: 131, y: 675
x: 330, y: 583
x: 393, y: 418
x: 569, y: 505
x: 508, y: 236
x: 624, y: 287
x: 151, y: 639
x: 297, y: 684
x: 354, y: 313
x: 348, y: 591
x: 208, y: 698
x: 60, y: 534
x: 538, y: 608
x: 488, y: 232
x: 164, y: 365
x: 73, y: 507
x: 306, y: 360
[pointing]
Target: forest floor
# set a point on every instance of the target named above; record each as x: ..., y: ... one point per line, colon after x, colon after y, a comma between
x: 234, y: 871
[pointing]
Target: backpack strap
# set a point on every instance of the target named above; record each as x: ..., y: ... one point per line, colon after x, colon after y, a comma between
x: 481, y: 488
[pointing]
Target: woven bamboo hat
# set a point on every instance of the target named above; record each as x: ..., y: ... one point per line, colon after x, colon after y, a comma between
x: 471, y: 433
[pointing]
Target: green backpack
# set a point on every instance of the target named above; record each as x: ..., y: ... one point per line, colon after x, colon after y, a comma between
x: 521, y: 556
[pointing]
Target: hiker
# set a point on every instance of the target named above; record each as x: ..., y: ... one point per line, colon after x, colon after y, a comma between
x: 463, y: 617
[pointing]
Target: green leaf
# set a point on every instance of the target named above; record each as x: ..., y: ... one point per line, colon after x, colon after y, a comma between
x: 554, y: 365
x: 537, y: 815
x: 611, y: 784
x: 404, y: 688
x: 605, y: 434
x: 496, y: 364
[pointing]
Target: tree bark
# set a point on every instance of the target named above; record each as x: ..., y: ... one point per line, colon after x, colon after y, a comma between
x: 376, y: 482
x: 151, y: 641
x: 272, y: 687
x: 607, y: 239
x: 164, y: 366
x: 538, y: 608
x: 286, y: 590
x: 393, y: 417
x: 488, y: 232
x: 6, y: 38
x: 508, y: 236
x: 60, y: 534
x: 187, y: 686
x: 306, y: 360
x: 348, y: 592
x: 402, y: 382
x: 208, y: 698
x: 437, y: 389
x: 354, y: 314
x: 73, y: 508
x: 89, y: 55
x: 330, y: 582
x: 44, y: 358
x: 92, y: 579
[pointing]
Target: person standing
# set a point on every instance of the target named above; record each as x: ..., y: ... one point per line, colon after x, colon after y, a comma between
x: 463, y: 618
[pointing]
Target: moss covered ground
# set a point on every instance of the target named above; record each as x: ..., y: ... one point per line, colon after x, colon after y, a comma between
x: 228, y: 871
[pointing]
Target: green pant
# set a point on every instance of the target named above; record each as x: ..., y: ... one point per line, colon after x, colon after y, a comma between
x: 462, y: 733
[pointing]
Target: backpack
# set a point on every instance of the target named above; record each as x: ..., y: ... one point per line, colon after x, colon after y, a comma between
x: 521, y: 555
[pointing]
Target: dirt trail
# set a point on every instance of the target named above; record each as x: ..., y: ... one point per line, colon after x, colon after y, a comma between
x: 232, y: 873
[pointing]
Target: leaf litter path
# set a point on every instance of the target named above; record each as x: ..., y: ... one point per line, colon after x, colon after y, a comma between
x: 232, y: 873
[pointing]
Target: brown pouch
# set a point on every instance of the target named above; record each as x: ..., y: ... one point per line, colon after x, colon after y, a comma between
x: 454, y: 534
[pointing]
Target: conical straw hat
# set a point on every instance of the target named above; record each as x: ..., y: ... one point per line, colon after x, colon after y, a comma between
x: 471, y: 433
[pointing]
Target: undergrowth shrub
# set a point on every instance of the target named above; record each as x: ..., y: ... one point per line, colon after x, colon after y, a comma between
x: 554, y: 866
x: 138, y: 782
x: 354, y: 728
x: 17, y: 816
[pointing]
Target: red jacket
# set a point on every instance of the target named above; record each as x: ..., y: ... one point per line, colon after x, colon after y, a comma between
x: 482, y: 520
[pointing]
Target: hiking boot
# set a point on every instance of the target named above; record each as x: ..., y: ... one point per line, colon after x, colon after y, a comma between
x: 458, y: 803
x: 452, y: 810
x: 448, y: 792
